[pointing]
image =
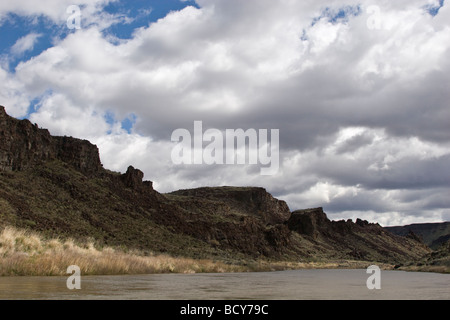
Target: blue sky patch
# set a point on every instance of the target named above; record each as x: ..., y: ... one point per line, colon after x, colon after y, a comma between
x: 16, y: 27
x: 434, y: 10
x: 142, y: 13
x: 126, y: 124
x: 338, y: 15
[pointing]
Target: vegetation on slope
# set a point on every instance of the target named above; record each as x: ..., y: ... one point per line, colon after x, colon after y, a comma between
x: 23, y: 252
x: 27, y: 253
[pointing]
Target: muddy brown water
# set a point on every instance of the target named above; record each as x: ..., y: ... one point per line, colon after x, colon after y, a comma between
x: 280, y: 285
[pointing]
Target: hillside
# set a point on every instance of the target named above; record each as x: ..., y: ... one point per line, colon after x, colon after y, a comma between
x: 432, y: 234
x: 58, y: 187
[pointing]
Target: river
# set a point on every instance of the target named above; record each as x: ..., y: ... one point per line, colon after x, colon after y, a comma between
x: 281, y: 285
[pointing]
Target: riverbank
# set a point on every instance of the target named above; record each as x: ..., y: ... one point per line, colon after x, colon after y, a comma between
x: 25, y: 253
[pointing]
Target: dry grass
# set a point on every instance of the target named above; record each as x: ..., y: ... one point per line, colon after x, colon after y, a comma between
x: 427, y: 268
x: 26, y: 253
x: 338, y: 264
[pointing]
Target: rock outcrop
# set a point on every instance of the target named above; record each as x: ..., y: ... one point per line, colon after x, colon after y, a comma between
x: 133, y: 178
x: 309, y: 222
x: 254, y: 201
x: 24, y: 145
x: 360, y: 240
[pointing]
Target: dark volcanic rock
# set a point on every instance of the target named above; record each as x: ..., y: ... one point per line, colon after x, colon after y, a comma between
x: 133, y: 179
x: 24, y: 145
x: 81, y: 154
x: 362, y: 223
x: 249, y: 218
x: 254, y: 201
x: 308, y: 221
x: 359, y: 240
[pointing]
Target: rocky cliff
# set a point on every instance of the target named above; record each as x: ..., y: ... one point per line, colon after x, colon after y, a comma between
x: 24, y: 145
x: 254, y: 201
x: 360, y: 240
x: 57, y: 186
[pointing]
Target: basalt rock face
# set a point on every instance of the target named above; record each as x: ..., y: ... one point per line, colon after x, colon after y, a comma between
x: 359, y: 240
x: 81, y: 154
x: 246, y: 219
x: 254, y: 201
x: 24, y: 145
x: 133, y: 178
x: 309, y: 222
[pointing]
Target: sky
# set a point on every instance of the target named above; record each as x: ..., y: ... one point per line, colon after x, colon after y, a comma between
x: 359, y: 91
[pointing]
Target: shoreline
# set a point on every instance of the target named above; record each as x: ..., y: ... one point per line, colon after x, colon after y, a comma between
x: 217, y: 267
x: 412, y: 269
x: 26, y: 253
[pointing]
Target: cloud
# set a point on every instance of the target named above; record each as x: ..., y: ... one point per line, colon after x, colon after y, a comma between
x: 362, y: 112
x: 68, y: 118
x: 24, y: 44
x: 52, y: 9
x: 355, y: 142
x: 55, y: 11
x: 12, y: 95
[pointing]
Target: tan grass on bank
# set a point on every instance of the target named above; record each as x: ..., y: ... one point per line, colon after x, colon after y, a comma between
x: 26, y: 253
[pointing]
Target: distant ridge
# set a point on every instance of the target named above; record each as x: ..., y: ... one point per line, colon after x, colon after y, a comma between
x: 432, y: 234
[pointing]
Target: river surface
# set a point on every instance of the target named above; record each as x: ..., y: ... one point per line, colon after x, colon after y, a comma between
x: 285, y: 285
